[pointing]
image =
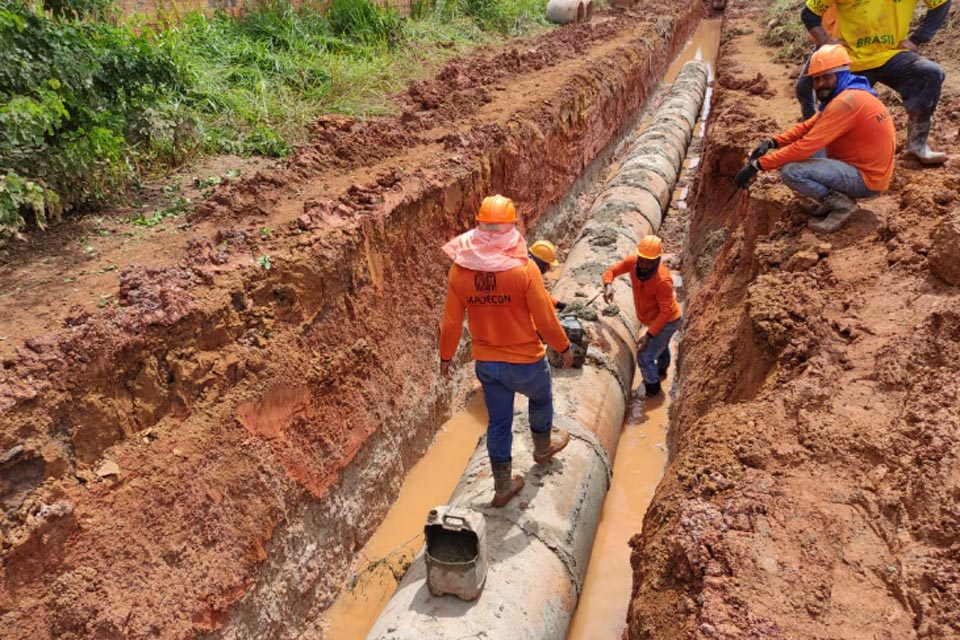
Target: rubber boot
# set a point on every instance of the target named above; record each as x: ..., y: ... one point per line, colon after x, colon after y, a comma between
x: 651, y: 390
x: 841, y: 207
x: 918, y: 130
x: 504, y: 487
x: 545, y: 446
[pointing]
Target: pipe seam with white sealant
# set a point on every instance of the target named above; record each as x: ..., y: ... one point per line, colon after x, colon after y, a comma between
x: 540, y: 543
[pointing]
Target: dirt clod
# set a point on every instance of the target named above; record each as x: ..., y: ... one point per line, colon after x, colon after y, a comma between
x: 944, y: 254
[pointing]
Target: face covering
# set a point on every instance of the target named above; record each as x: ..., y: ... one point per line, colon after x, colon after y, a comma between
x: 484, y: 250
x: 646, y: 274
x: 847, y: 80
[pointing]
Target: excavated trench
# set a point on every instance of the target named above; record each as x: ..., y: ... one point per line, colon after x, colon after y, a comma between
x: 208, y: 457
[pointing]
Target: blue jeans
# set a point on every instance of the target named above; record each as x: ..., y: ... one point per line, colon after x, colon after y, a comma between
x: 916, y: 79
x: 500, y: 382
x: 816, y: 177
x: 655, y: 357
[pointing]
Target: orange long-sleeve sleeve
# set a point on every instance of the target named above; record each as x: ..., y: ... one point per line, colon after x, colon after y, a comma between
x: 653, y: 299
x: 505, y: 310
x: 854, y: 128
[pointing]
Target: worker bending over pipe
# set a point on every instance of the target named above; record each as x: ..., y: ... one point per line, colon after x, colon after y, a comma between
x: 543, y: 253
x: 656, y: 306
x: 501, y: 290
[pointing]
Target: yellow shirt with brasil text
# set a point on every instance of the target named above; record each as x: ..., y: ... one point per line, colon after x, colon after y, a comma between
x: 871, y: 29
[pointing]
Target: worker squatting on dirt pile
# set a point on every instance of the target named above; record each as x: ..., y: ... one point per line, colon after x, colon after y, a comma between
x: 875, y: 32
x: 852, y: 127
x: 502, y: 292
x: 656, y: 307
x: 543, y: 253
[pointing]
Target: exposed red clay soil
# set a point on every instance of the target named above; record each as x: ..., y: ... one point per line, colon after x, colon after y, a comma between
x: 207, y: 450
x: 814, y: 484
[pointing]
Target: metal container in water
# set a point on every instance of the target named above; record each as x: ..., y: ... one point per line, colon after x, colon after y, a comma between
x: 456, y: 554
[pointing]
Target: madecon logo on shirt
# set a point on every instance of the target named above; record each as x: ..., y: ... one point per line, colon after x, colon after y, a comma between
x: 486, y: 283
x: 870, y: 40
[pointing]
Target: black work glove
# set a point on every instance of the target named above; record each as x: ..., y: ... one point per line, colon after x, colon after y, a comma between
x: 746, y: 175
x: 560, y: 306
x: 765, y: 145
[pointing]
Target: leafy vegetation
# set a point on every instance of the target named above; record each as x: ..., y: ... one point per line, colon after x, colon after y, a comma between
x: 784, y: 30
x: 87, y: 106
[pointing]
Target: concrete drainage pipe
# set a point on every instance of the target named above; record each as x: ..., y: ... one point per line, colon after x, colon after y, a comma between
x: 567, y: 11
x: 540, y: 543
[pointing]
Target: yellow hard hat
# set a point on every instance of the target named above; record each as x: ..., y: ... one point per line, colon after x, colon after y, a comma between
x: 829, y: 58
x: 650, y: 247
x: 497, y: 210
x: 545, y: 250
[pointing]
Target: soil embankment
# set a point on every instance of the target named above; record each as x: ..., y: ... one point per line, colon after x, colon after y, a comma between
x: 814, y: 480
x: 208, y: 454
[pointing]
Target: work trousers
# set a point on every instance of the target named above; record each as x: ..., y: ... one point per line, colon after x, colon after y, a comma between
x: 816, y: 177
x: 916, y: 79
x: 654, y: 359
x: 501, y: 381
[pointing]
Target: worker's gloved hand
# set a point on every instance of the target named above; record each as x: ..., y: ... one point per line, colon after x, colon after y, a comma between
x: 560, y: 306
x: 765, y: 145
x: 746, y: 175
x: 445, y: 371
x: 608, y: 293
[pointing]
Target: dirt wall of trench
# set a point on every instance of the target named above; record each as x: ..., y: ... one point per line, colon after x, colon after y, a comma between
x: 208, y: 456
x: 814, y: 479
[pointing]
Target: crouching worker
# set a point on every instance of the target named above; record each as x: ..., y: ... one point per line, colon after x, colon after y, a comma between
x: 544, y: 254
x: 501, y: 291
x: 656, y: 306
x: 852, y: 126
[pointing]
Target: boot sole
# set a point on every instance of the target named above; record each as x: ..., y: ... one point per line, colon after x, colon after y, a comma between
x: 928, y: 162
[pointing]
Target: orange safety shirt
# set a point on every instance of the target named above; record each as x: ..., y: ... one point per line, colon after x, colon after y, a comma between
x: 653, y: 298
x: 854, y: 128
x: 505, y: 309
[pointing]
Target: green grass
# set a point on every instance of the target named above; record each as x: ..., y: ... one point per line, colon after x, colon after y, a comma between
x: 785, y: 31
x: 108, y: 105
x: 273, y: 72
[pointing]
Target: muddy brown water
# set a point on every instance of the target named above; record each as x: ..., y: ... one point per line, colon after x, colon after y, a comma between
x: 637, y: 469
x: 392, y: 547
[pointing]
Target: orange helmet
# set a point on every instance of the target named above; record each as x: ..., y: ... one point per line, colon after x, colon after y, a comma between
x: 497, y: 210
x: 545, y: 250
x: 829, y: 58
x: 650, y: 247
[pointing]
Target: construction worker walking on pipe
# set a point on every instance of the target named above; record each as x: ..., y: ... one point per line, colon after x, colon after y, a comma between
x: 501, y: 291
x: 656, y: 306
x: 877, y: 35
x: 853, y: 128
x: 543, y: 253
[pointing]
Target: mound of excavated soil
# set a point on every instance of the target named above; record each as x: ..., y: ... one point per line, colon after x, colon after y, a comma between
x: 814, y: 485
